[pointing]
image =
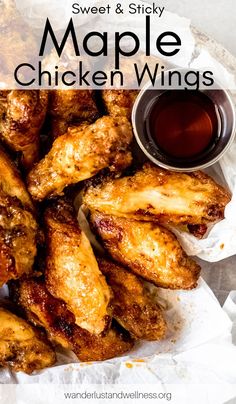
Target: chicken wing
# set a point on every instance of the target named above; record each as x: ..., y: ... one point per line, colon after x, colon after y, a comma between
x: 23, y: 347
x: 43, y: 309
x: 132, y: 306
x: 22, y: 115
x: 72, y: 272
x: 68, y: 107
x: 148, y: 249
x: 119, y: 102
x: 18, y: 228
x: 11, y: 182
x: 80, y: 154
x: 155, y: 194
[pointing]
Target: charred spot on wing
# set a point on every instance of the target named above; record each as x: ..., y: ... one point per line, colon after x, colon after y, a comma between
x: 107, y: 175
x: 101, y: 178
x: 145, y: 212
x: 124, y: 335
x: 61, y: 210
x: 61, y: 324
x: 108, y: 321
x: 197, y: 230
x: 215, y: 212
x: 9, y: 201
x: 98, y: 179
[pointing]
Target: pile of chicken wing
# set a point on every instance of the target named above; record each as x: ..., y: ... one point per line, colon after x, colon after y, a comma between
x: 62, y: 289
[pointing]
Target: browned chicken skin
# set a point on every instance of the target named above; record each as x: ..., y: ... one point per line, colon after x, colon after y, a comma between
x: 119, y: 102
x: 132, y: 306
x: 72, y: 272
x: 11, y: 182
x: 155, y: 194
x: 22, y: 115
x: 23, y: 347
x: 18, y: 231
x: 80, y: 154
x: 68, y: 107
x: 18, y: 228
x: 149, y: 250
x: 43, y: 309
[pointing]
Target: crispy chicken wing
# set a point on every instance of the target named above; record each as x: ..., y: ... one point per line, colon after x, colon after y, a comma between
x: 43, y: 309
x: 155, y: 194
x: 132, y: 306
x: 68, y: 107
x: 72, y: 272
x: 18, y: 228
x: 23, y: 347
x: 22, y: 115
x: 11, y: 182
x: 119, y: 102
x: 148, y: 249
x: 18, y: 231
x: 80, y: 154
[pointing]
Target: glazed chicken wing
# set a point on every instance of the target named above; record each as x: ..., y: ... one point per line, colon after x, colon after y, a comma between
x: 132, y: 306
x: 23, y: 347
x: 68, y: 107
x: 80, y: 154
x: 72, y: 272
x: 155, y: 194
x: 18, y: 231
x: 43, y: 309
x: 148, y: 249
x: 18, y: 228
x: 11, y: 182
x: 22, y: 115
x: 119, y: 102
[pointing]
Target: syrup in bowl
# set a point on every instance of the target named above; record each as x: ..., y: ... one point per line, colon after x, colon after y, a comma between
x: 184, y: 124
x: 183, y: 130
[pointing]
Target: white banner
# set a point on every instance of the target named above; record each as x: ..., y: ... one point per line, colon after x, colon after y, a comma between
x: 124, y: 394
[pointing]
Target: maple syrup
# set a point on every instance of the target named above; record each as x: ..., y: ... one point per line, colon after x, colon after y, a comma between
x: 184, y: 124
